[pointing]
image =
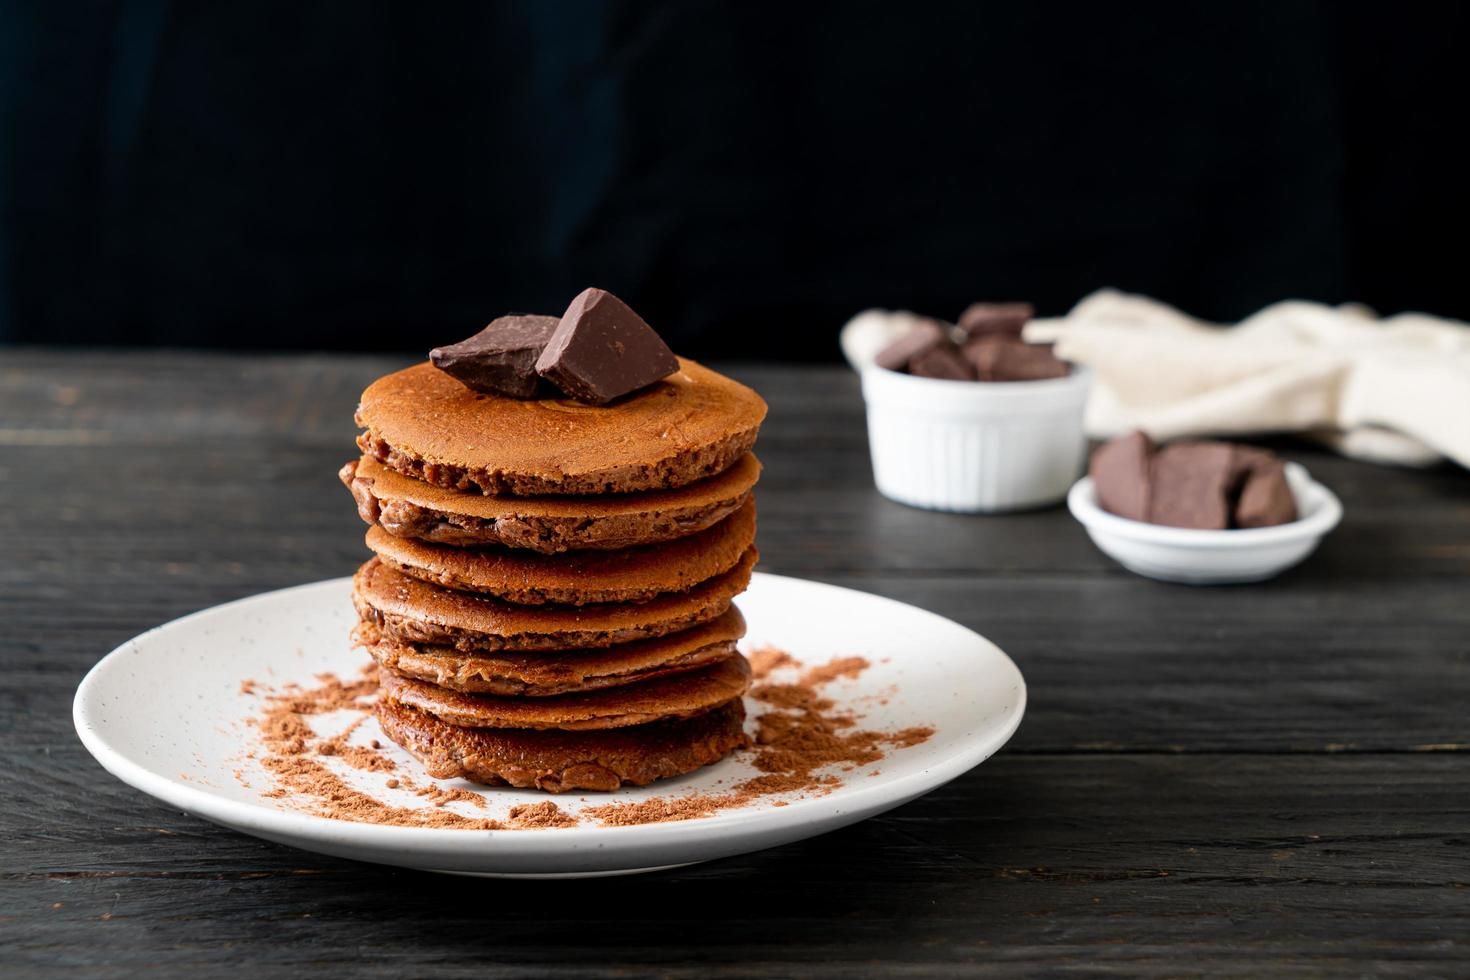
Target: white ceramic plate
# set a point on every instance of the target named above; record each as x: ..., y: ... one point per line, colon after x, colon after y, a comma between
x: 166, y: 714
x: 1195, y: 557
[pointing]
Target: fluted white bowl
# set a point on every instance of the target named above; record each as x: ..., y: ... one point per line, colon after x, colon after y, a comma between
x: 975, y: 446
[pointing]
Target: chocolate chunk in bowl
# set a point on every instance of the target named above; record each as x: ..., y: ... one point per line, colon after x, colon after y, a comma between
x: 1002, y: 319
x: 1000, y: 358
x: 925, y: 336
x: 943, y: 361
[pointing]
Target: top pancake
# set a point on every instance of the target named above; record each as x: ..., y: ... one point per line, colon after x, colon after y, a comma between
x: 408, y: 508
x: 425, y: 424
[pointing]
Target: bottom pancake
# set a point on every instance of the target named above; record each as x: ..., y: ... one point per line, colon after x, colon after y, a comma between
x: 556, y: 761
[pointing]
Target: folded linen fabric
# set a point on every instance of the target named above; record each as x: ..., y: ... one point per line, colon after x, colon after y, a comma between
x: 1393, y: 390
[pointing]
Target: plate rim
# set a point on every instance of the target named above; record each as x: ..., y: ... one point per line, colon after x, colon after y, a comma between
x: 258, y: 818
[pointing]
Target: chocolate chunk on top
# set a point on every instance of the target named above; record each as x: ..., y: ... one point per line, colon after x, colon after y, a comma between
x: 922, y: 338
x: 500, y: 359
x: 1120, y: 475
x: 1007, y: 319
x: 602, y: 350
x: 997, y: 357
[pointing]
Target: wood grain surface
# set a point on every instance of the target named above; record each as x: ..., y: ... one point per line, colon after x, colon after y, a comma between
x: 1249, y: 781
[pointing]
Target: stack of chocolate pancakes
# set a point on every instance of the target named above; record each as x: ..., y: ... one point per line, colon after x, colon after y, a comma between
x: 549, y: 600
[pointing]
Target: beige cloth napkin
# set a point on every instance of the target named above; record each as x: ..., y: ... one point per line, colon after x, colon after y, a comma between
x: 1393, y: 390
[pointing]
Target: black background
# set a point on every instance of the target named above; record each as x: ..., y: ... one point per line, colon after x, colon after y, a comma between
x: 747, y: 175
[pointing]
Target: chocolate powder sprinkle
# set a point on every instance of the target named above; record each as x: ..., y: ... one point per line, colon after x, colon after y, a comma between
x: 547, y: 814
x: 841, y: 667
x: 292, y: 753
x: 767, y: 659
x: 800, y: 734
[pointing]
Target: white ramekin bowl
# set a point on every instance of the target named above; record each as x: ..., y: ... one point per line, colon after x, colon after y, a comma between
x: 974, y: 446
x: 1180, y: 554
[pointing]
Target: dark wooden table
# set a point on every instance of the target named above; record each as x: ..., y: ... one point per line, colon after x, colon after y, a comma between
x: 1257, y: 780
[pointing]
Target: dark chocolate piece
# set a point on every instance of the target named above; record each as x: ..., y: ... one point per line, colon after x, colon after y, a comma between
x: 1192, y: 485
x: 602, y: 350
x: 924, y: 337
x: 1006, y: 319
x: 1209, y: 485
x: 1120, y: 475
x: 501, y: 359
x: 943, y: 361
x: 1265, y: 496
x: 1001, y: 358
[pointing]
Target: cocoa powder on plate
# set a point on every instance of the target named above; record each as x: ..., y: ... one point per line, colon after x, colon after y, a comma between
x: 292, y: 749
x: 801, y: 733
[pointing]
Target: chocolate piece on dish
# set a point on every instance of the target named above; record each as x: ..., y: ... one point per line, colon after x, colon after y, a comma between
x: 1192, y: 485
x: 1265, y: 496
x: 1120, y: 475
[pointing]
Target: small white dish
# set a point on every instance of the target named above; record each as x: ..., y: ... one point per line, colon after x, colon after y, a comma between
x: 166, y: 713
x: 975, y: 446
x: 1195, y: 557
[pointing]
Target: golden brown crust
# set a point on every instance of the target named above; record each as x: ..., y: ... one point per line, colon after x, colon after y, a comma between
x: 560, y: 672
x: 689, y: 426
x: 675, y: 696
x: 412, y: 611
x: 577, y: 578
x: 409, y: 508
x: 557, y: 761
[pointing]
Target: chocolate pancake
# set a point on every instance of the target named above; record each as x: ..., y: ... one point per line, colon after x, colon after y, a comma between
x: 425, y: 424
x: 409, y: 610
x: 557, y: 761
x: 674, y: 696
x: 579, y: 578
x: 409, y: 508
x: 543, y: 674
